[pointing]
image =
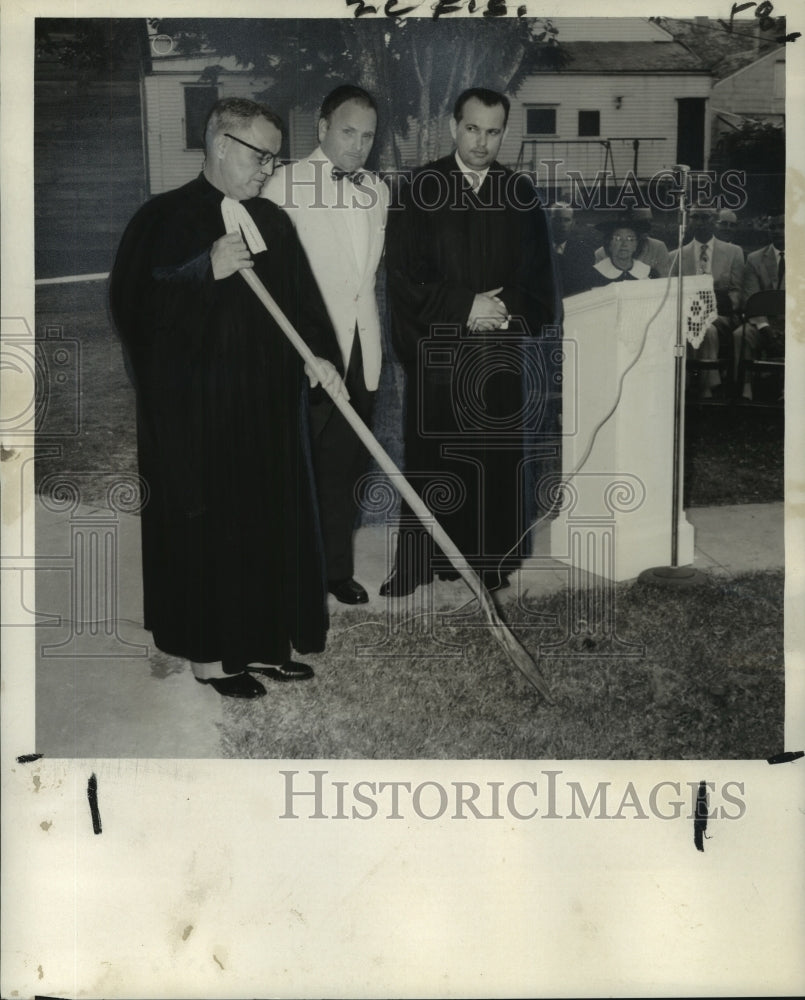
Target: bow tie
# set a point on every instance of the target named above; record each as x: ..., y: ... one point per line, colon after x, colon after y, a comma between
x: 356, y: 176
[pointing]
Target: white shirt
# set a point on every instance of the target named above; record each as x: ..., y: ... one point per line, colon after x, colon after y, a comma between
x: 471, y: 174
x: 346, y: 196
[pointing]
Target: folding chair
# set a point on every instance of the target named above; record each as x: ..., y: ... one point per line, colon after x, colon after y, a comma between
x: 767, y: 375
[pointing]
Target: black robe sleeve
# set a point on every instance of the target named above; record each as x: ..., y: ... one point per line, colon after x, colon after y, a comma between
x: 421, y: 292
x: 533, y: 290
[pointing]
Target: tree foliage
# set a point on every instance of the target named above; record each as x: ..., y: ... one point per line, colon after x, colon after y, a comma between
x: 758, y: 149
x: 89, y: 45
x: 754, y: 146
x: 415, y: 67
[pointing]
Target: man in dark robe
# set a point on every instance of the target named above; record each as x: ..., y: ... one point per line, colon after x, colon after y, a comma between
x: 233, y: 575
x: 471, y: 287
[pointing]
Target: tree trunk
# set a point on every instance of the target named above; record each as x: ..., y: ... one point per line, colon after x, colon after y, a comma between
x: 425, y: 124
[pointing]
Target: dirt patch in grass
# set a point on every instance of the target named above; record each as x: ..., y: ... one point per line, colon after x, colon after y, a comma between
x: 695, y: 674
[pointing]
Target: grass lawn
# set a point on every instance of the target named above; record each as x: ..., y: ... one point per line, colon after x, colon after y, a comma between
x: 694, y: 674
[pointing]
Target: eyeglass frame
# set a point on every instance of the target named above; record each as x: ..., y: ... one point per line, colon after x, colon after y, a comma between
x: 266, y: 157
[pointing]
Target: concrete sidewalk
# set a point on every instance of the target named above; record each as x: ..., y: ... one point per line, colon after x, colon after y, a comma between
x: 103, y: 690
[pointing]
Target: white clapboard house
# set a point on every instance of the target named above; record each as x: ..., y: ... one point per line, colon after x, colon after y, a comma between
x: 751, y: 92
x: 631, y: 98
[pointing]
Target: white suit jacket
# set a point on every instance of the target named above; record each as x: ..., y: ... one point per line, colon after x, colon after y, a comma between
x: 344, y: 259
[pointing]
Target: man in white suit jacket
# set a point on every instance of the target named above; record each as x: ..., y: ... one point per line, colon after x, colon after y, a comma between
x: 705, y: 254
x: 339, y: 210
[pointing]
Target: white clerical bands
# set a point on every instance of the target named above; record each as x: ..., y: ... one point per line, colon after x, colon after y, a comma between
x: 237, y: 220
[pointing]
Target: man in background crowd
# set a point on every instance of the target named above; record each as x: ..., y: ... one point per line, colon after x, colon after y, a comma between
x: 573, y: 254
x: 764, y: 271
x: 705, y: 254
x: 726, y: 225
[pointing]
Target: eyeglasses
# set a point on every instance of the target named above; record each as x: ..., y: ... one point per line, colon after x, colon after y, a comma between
x: 619, y: 238
x: 265, y: 156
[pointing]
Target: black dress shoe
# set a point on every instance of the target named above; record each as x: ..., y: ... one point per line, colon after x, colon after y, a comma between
x: 449, y: 574
x: 348, y: 591
x: 398, y: 585
x: 289, y: 671
x: 236, y: 686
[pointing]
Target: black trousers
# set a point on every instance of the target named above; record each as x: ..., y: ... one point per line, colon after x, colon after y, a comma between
x: 339, y: 460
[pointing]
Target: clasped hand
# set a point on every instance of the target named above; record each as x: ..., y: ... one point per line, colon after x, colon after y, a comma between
x: 488, y: 312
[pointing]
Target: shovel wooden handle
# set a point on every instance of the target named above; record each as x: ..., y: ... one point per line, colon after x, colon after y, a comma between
x: 502, y: 633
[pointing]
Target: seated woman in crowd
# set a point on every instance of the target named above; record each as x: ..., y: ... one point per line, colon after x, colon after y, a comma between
x: 623, y: 238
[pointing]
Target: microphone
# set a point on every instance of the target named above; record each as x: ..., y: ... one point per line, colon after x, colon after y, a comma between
x: 681, y: 172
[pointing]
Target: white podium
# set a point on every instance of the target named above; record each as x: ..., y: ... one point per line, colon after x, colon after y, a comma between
x: 618, y: 426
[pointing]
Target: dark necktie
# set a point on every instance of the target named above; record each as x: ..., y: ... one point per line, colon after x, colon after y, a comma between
x: 356, y: 176
x: 781, y: 269
x: 703, y: 259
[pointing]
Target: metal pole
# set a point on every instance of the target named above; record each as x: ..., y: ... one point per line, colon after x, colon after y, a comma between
x: 675, y: 575
x: 679, y: 375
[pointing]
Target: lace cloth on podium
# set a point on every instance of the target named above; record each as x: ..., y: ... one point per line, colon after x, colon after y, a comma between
x: 653, y: 304
x: 698, y: 312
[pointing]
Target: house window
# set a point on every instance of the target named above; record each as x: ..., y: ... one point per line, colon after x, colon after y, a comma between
x: 589, y: 123
x: 540, y: 120
x: 779, y: 79
x: 197, y: 103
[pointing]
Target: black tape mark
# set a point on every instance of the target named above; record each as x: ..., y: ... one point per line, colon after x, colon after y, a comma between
x: 92, y: 795
x: 363, y: 8
x: 29, y: 758
x: 389, y: 9
x: 785, y: 758
x: 700, y: 822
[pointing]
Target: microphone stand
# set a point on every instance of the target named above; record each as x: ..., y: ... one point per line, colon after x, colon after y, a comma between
x: 676, y: 575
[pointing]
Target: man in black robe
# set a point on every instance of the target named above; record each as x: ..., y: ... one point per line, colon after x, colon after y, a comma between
x: 233, y: 575
x: 471, y: 287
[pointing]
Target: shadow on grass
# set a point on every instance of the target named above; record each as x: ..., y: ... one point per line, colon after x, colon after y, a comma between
x: 733, y: 454
x: 705, y: 681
